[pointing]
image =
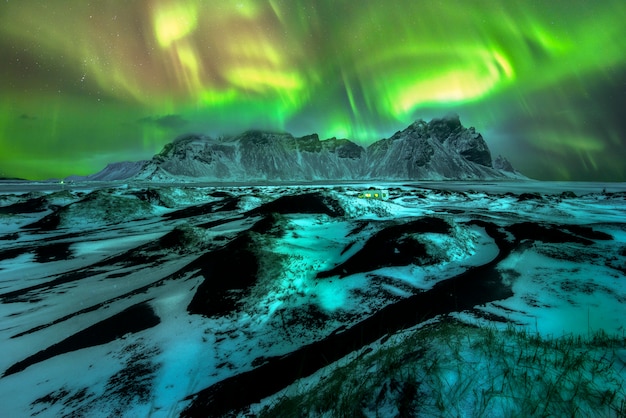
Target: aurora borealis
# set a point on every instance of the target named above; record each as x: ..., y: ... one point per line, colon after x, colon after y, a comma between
x: 86, y: 83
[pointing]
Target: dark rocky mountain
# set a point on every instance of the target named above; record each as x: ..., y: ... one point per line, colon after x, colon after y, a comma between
x: 437, y: 150
x: 257, y: 155
x: 501, y: 163
x: 113, y: 171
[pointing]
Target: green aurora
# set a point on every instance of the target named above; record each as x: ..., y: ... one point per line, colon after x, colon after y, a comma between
x: 84, y: 83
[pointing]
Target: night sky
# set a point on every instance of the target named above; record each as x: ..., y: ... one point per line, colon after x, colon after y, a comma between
x: 84, y: 83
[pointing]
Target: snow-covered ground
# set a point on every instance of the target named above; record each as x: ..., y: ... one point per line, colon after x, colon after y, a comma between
x: 161, y: 300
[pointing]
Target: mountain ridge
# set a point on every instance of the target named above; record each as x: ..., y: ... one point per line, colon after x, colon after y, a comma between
x: 442, y: 149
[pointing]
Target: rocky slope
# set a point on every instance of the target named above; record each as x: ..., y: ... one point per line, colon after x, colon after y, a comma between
x: 256, y: 155
x: 113, y: 171
x: 437, y: 150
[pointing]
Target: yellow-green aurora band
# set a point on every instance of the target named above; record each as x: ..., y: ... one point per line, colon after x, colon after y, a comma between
x: 85, y: 83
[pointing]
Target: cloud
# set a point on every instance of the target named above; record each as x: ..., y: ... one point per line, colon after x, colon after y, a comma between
x: 173, y: 122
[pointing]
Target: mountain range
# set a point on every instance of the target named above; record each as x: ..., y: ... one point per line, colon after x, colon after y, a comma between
x: 442, y: 149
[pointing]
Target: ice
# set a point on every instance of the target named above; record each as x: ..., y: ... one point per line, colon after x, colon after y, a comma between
x: 12, y: 265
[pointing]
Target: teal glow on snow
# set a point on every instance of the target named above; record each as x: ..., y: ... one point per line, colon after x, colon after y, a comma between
x: 557, y: 289
x: 331, y: 297
x: 557, y: 297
